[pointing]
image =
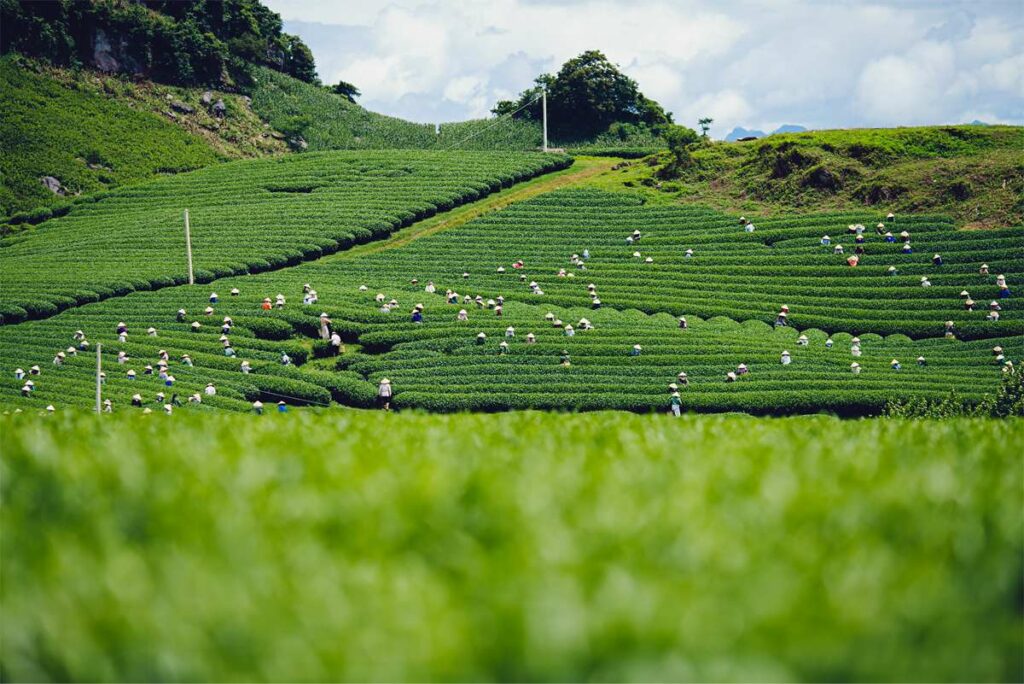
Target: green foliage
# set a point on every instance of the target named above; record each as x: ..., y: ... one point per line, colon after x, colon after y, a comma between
x: 586, y: 98
x: 193, y: 43
x: 346, y: 90
x: 86, y: 141
x: 332, y: 121
x: 522, y: 547
x: 246, y: 217
x: 298, y: 60
x: 971, y: 173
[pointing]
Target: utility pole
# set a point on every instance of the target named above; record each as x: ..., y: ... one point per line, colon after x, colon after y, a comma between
x: 99, y: 372
x: 544, y: 108
x: 188, y: 250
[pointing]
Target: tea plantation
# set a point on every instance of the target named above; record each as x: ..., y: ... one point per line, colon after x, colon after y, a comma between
x: 730, y: 291
x: 246, y: 217
x: 519, y: 547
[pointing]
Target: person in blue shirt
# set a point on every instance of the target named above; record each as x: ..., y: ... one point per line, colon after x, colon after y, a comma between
x: 417, y: 317
x: 937, y: 260
x: 635, y: 351
x: 282, y: 407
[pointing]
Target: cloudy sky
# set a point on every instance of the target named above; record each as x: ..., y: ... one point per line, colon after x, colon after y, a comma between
x: 822, y: 64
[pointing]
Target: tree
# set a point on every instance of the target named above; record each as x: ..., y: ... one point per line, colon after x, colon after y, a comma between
x: 585, y: 97
x: 346, y: 90
x: 298, y: 59
x: 705, y: 125
x: 681, y: 141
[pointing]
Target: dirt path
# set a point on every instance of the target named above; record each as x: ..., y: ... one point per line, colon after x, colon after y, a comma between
x: 583, y: 168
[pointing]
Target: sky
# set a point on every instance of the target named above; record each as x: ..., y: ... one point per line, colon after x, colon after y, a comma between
x: 816, y: 63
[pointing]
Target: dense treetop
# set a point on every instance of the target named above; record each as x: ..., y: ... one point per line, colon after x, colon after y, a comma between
x: 203, y: 42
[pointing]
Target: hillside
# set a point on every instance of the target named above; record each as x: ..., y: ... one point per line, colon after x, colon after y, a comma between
x: 326, y: 121
x: 974, y: 174
x: 247, y: 216
x: 94, y: 132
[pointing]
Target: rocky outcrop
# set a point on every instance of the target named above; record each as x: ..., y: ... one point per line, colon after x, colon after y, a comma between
x: 180, y: 106
x: 53, y: 185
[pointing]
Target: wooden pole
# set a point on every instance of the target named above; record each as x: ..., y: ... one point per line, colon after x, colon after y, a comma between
x: 99, y: 384
x: 188, y: 250
x: 544, y: 107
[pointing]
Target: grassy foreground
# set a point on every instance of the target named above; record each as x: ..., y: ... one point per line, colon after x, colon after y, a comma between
x: 525, y: 546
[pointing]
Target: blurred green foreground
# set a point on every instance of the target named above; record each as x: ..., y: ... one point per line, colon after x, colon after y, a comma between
x: 356, y: 546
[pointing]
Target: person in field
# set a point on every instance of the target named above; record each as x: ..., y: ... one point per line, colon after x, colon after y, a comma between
x: 181, y: 316
x: 481, y: 338
x: 430, y: 288
x: 564, y: 358
x: 108, y: 406
x: 983, y: 270
x: 895, y: 365
x: 907, y: 249
x: 803, y: 340
x: 675, y: 403
x: 826, y: 241
x: 786, y: 359
x: 246, y: 368
x: 937, y: 260
x: 925, y: 282
x: 210, y: 390
x: 58, y: 360
x: 35, y: 370
x: 285, y: 359
x: 130, y: 374
x: 257, y: 407
x: 855, y: 368
x: 730, y: 377
x: 503, y: 348
x: 683, y: 379
x: 337, y: 346
x: 510, y: 331
x: 26, y: 389
x: 636, y: 350
x: 235, y: 292
x: 829, y: 343
x: 742, y: 369
x: 282, y: 407
x: 569, y: 331
x: 921, y: 361
x: 838, y: 249
x: 683, y: 325
x: 280, y: 301
x: 531, y: 338
x: 266, y: 305
x: 992, y: 316
x: 463, y: 315
x: 19, y: 374
x: 417, y: 316
x: 384, y: 394
x: 853, y: 260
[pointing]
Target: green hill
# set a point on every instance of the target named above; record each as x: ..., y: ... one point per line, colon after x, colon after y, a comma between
x: 84, y: 140
x: 972, y: 173
x: 326, y: 121
x: 247, y: 216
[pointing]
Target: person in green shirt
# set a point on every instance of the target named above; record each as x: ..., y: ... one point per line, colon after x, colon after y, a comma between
x: 676, y: 403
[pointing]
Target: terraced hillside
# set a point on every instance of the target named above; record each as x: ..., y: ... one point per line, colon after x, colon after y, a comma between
x: 245, y: 216
x: 729, y: 290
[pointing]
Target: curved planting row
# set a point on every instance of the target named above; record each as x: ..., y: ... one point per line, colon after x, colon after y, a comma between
x: 743, y: 275
x: 246, y: 217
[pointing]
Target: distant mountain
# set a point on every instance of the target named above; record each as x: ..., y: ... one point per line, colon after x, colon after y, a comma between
x: 977, y: 122
x: 739, y: 132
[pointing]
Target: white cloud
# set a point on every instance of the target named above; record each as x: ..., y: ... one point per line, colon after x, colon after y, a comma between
x: 746, y: 63
x: 907, y: 89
